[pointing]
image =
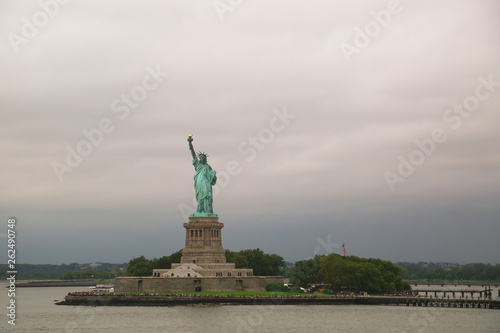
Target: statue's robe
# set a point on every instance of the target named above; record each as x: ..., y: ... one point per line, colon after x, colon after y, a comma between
x: 204, y: 179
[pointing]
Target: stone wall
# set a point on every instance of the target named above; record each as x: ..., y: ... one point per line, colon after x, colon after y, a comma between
x: 306, y: 299
x: 189, y: 284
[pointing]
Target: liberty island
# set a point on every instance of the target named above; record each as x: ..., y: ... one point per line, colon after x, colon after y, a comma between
x: 203, y: 267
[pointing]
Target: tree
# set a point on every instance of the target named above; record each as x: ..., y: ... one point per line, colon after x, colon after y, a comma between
x: 305, y: 272
x: 336, y: 271
x: 139, y: 266
x: 274, y: 265
x: 353, y: 273
x: 166, y: 261
x: 277, y: 287
x: 238, y: 258
x: 80, y: 275
x: 119, y: 272
x: 263, y: 264
x: 105, y: 275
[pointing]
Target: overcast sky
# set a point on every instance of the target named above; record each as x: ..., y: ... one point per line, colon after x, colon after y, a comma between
x: 369, y: 123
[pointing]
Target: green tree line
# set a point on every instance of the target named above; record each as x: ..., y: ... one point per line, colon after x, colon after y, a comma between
x: 54, y: 272
x: 263, y: 264
x: 141, y: 266
x: 352, y: 273
x: 431, y: 271
x: 90, y: 274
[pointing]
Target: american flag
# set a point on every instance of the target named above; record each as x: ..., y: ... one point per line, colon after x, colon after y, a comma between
x: 343, y: 249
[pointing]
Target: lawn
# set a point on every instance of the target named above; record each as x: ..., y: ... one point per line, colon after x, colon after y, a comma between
x: 232, y: 293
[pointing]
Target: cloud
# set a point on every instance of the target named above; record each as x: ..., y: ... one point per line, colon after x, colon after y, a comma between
x: 323, y: 173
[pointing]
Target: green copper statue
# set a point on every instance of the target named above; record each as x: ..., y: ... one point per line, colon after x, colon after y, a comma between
x: 204, y: 179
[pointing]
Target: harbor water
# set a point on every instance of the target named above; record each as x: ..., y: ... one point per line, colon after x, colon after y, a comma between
x: 36, y: 312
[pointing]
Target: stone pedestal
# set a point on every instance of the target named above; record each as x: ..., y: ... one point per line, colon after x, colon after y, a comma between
x: 203, y: 241
x: 203, y: 257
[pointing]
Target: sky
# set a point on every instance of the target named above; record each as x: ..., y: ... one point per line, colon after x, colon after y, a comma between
x: 372, y: 124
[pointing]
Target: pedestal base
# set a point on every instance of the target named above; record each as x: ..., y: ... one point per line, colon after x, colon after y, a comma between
x: 203, y: 215
x: 203, y: 241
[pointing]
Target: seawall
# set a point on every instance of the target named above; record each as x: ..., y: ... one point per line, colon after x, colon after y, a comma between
x: 194, y: 284
x: 165, y: 300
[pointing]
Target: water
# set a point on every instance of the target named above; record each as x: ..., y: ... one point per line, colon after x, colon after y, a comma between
x: 36, y: 312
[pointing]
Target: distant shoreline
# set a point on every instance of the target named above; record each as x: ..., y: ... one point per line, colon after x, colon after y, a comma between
x: 52, y: 283
x: 38, y: 285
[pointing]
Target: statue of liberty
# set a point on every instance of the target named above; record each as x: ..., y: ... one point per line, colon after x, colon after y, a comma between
x: 204, y: 179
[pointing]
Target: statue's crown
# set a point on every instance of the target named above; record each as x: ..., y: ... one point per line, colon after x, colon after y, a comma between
x: 202, y: 154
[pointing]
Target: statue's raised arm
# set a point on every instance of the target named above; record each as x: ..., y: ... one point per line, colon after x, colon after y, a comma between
x: 190, y: 140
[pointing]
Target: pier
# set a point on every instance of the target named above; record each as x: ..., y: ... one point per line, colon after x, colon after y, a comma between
x: 453, y: 293
x: 450, y: 283
x: 485, y: 293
